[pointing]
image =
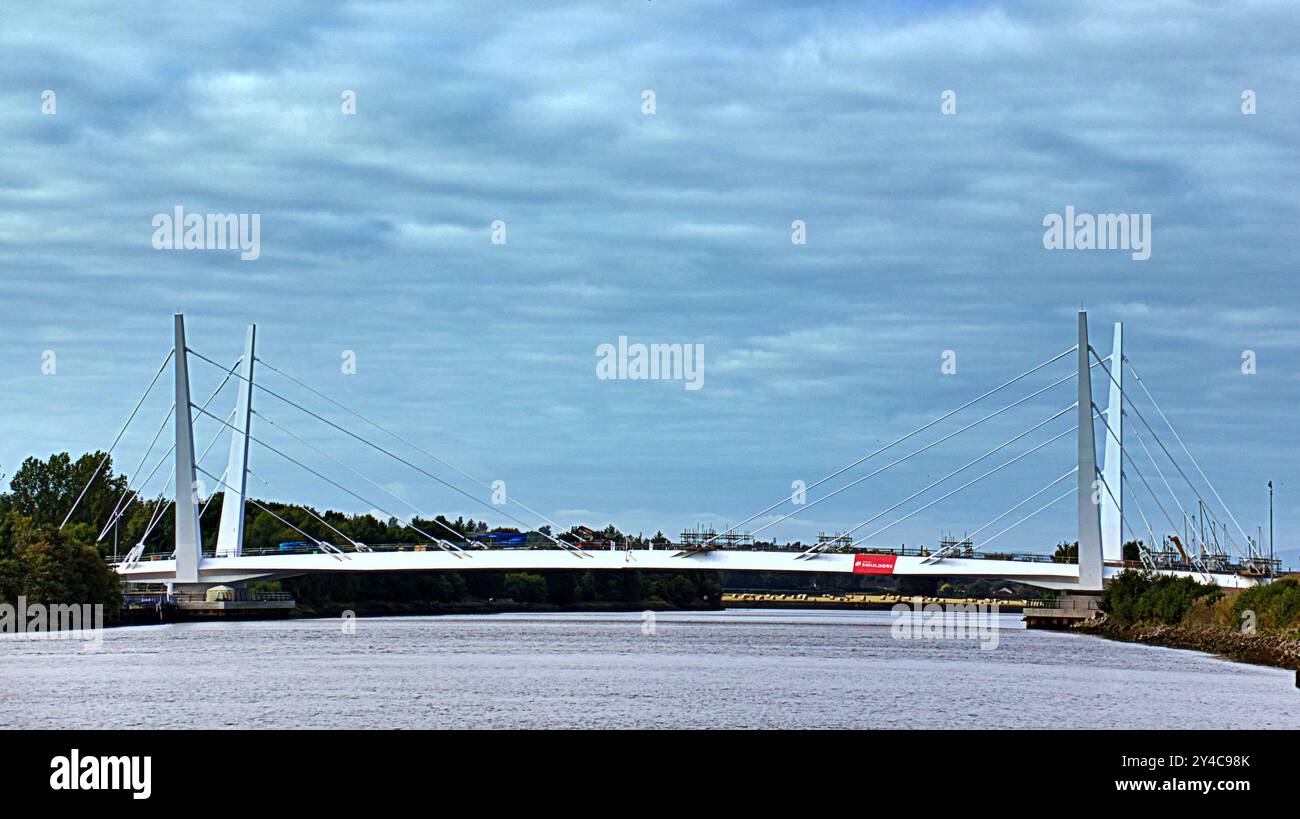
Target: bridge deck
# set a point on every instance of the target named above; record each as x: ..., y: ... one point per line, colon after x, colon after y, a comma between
x: 250, y: 567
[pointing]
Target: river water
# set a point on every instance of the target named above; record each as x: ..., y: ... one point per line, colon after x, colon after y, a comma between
x: 734, y: 669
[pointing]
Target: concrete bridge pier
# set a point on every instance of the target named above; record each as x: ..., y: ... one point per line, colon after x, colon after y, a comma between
x: 226, y: 601
x: 1071, y: 608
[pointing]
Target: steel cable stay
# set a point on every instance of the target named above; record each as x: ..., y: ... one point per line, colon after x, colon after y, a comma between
x: 116, y: 440
x: 900, y: 440
x: 1203, y: 570
x: 817, y: 548
x: 940, y: 553
x: 1032, y: 514
x: 1101, y: 475
x: 566, y: 546
x: 1159, y: 505
x: 224, y: 474
x: 1169, y: 455
x: 455, y: 550
x: 1181, y: 509
x: 409, y: 443
x: 912, y: 454
x: 363, y: 440
x: 117, y: 507
x: 1101, y: 481
x: 117, y: 513
x: 1204, y: 505
x: 323, y: 546
x: 1161, y: 474
x: 360, y: 547
x: 1132, y: 534
x: 1151, y: 535
x: 1186, y: 451
x: 1205, y: 574
x: 162, y: 507
x: 1152, y: 459
x: 1096, y: 414
x: 964, y: 486
x: 356, y: 472
x: 118, y: 516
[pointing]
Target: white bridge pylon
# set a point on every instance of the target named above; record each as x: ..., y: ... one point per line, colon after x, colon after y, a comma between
x: 1098, y: 501
x: 230, y: 534
x: 1112, y: 496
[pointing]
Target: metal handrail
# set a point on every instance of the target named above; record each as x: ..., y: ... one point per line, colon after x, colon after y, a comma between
x: 902, y: 551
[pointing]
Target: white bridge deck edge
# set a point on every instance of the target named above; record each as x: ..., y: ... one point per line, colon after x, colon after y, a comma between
x: 238, y: 569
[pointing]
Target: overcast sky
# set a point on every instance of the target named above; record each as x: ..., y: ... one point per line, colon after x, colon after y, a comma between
x: 924, y: 235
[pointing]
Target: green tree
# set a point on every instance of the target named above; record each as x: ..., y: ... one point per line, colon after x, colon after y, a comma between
x: 586, y: 590
x: 1133, y: 550
x: 681, y: 591
x: 1276, y: 605
x: 50, y: 566
x: 561, y: 587
x: 45, y: 490
x: 612, y: 534
x: 1142, y: 597
x: 525, y: 587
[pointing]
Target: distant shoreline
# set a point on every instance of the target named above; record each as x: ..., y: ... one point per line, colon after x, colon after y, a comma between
x: 484, y: 607
x: 857, y: 602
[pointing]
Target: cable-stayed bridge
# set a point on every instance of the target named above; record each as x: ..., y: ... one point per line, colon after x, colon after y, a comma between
x: 1104, y: 493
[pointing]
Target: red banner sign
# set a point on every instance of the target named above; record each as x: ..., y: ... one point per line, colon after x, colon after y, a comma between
x: 874, y: 564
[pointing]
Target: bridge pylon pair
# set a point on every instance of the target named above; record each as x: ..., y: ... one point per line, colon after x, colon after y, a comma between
x: 230, y: 532
x: 1099, y: 493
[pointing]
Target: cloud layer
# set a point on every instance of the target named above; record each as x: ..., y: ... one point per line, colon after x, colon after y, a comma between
x: 923, y: 235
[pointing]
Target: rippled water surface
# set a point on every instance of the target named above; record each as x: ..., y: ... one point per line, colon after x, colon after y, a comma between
x: 741, y: 669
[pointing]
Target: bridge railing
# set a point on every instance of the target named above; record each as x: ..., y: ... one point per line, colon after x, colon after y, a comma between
x: 240, y: 596
x: 902, y: 551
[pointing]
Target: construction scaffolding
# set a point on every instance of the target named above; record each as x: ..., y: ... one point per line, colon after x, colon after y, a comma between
x: 703, y: 537
x: 825, y: 541
x: 953, y: 547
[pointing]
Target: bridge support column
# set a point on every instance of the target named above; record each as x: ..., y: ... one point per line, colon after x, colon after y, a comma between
x: 1112, y: 495
x: 230, y: 535
x: 1090, y: 555
x: 189, y: 540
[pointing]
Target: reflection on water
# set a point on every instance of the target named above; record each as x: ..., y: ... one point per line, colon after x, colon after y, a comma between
x: 742, y: 669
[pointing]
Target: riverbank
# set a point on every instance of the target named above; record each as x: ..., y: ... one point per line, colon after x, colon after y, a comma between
x: 1258, y: 625
x: 1277, y: 651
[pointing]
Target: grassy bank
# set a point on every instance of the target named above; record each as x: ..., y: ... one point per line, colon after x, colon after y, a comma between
x: 1258, y: 625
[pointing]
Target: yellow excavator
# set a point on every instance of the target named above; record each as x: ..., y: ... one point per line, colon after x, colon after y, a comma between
x: 1178, y: 544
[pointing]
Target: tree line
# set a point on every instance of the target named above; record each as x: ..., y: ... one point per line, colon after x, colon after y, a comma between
x: 50, y: 561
